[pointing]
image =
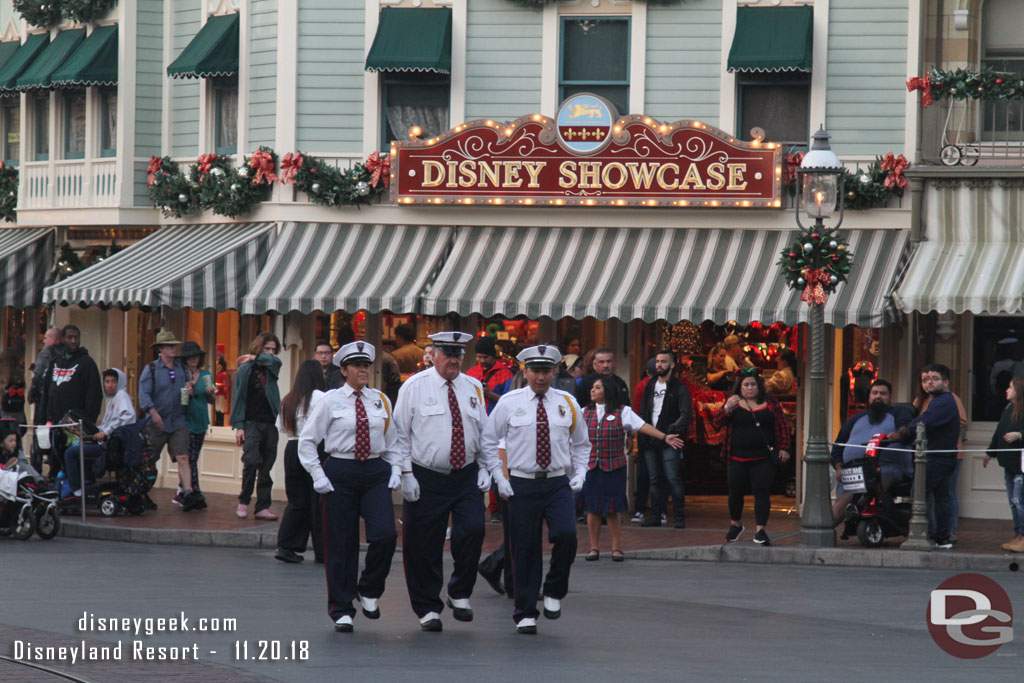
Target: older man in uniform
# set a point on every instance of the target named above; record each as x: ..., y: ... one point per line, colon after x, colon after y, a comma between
x: 439, y: 416
x: 544, y: 434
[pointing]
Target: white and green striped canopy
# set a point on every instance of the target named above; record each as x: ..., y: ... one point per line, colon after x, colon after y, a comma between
x: 972, y: 258
x: 651, y: 274
x: 26, y: 257
x: 342, y: 267
x: 179, y: 266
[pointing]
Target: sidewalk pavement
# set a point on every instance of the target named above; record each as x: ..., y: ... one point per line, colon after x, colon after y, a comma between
x: 978, y: 548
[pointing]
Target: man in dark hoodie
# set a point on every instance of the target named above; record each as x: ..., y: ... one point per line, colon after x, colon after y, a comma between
x: 73, y: 383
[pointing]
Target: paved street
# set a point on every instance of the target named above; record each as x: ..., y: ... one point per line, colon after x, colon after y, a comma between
x: 644, y: 619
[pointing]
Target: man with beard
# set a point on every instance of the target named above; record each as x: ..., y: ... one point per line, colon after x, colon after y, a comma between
x: 881, y: 418
x: 72, y: 383
x: 489, y: 371
x: 666, y: 405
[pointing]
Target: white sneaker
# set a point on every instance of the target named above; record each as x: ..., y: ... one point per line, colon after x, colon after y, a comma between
x: 552, y: 608
x: 448, y: 534
x: 343, y: 624
x: 664, y: 519
x: 527, y: 625
x: 637, y: 519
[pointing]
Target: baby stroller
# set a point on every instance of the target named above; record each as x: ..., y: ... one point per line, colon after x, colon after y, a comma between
x: 26, y: 504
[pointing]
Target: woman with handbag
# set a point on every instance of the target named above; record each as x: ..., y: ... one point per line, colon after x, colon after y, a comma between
x: 756, y: 440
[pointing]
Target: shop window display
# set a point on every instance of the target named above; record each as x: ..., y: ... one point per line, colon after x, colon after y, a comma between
x: 998, y: 358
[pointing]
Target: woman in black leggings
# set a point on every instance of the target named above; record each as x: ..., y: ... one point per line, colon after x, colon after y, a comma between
x: 756, y: 439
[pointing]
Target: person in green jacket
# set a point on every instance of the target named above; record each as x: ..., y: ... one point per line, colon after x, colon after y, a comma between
x: 1005, y: 447
x: 202, y: 391
x: 257, y: 401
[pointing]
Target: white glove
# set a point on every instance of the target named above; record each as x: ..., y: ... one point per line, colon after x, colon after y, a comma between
x: 576, y: 483
x: 410, y: 487
x: 504, y: 487
x: 323, y: 485
x: 483, y: 480
x: 395, y: 482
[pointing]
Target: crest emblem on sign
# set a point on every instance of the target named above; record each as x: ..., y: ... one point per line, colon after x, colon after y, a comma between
x: 561, y: 410
x: 585, y: 123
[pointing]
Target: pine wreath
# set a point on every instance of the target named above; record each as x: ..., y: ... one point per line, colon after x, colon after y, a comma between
x: 42, y: 13
x: 234, y: 192
x: 816, y: 262
x: 169, y: 189
x: 327, y: 185
x: 8, y: 192
x: 86, y: 11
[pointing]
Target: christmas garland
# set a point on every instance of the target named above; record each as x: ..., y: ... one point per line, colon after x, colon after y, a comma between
x: 816, y: 262
x: 541, y: 3
x: 327, y: 185
x: 8, y: 192
x: 868, y: 189
x: 967, y: 84
x: 42, y: 13
x: 86, y: 11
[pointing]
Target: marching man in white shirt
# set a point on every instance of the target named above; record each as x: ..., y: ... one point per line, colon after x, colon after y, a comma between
x: 544, y: 434
x: 439, y: 416
x: 354, y: 421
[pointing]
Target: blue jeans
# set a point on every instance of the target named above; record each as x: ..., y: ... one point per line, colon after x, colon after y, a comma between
x: 1015, y: 496
x: 664, y: 465
x: 93, y: 452
x: 940, y: 480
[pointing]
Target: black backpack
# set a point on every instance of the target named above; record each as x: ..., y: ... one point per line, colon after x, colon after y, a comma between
x: 13, y: 398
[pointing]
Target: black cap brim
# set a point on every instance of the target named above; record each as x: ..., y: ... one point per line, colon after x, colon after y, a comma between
x: 451, y: 349
x: 356, y: 358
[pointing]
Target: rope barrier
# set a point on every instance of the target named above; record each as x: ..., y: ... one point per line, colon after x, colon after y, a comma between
x: 934, y: 450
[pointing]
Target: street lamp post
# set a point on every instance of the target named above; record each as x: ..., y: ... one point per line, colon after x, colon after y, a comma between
x: 819, y: 188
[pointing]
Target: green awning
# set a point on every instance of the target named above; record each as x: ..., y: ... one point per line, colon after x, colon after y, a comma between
x: 213, y: 52
x: 93, y: 63
x: 40, y: 73
x: 773, y: 39
x: 7, y: 50
x: 24, y: 56
x: 410, y: 39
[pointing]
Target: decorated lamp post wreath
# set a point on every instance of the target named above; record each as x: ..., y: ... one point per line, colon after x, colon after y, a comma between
x: 817, y: 261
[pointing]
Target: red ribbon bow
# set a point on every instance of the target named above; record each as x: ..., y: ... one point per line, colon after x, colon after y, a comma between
x: 793, y: 162
x: 380, y: 169
x: 263, y: 164
x: 206, y: 163
x: 925, y: 85
x: 814, y: 290
x: 896, y: 165
x: 155, y: 166
x: 290, y: 165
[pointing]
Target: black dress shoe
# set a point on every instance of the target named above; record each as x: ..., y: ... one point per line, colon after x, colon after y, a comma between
x: 680, y: 524
x: 653, y: 520
x: 148, y: 502
x: 460, y: 613
x: 289, y: 556
x: 530, y: 629
x: 493, y: 581
x: 433, y: 625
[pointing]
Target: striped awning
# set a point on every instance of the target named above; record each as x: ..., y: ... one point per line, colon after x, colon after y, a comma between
x: 180, y: 266
x: 26, y: 258
x: 651, y: 274
x: 972, y: 258
x: 341, y: 267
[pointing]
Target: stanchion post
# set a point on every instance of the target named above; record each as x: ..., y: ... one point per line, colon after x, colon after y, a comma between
x: 917, y: 539
x: 81, y: 467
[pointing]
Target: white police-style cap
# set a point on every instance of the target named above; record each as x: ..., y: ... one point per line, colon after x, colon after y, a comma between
x: 451, y: 342
x: 542, y: 356
x: 356, y: 352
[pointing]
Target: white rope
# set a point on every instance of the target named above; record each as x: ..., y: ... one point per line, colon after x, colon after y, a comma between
x: 69, y: 424
x: 934, y: 450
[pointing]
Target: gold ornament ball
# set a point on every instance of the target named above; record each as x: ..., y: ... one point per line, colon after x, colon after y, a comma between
x: 841, y: 247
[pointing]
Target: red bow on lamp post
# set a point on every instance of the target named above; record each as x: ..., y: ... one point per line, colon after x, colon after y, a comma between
x: 793, y: 162
x: 380, y: 169
x: 895, y: 165
x: 924, y: 84
x: 206, y: 163
x: 263, y: 163
x: 155, y: 166
x: 290, y: 165
x: 814, y: 290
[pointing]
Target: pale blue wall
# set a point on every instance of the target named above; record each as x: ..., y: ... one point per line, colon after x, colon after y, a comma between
x: 503, y: 60
x: 150, y: 71
x: 262, y: 73
x: 867, y: 66
x: 187, y: 18
x: 684, y: 61
x: 330, y: 78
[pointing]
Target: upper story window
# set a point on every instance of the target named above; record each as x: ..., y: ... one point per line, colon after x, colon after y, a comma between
x: 41, y: 127
x: 108, y: 122
x: 414, y: 99
x: 1003, y: 50
x: 74, y: 124
x: 11, y: 123
x: 225, y: 103
x: 595, y: 59
x: 777, y: 102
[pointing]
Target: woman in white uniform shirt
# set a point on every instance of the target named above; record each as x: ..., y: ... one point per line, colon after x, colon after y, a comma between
x: 354, y: 421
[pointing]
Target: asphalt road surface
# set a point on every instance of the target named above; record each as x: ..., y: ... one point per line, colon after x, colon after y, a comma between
x: 637, y: 620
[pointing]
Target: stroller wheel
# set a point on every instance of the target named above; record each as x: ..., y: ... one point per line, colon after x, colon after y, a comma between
x: 869, y: 533
x: 47, y: 522
x: 24, y: 525
x: 109, y: 507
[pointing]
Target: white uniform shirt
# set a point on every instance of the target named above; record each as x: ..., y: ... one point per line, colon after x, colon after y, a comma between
x: 300, y: 417
x: 514, y: 419
x: 423, y: 420
x: 332, y: 419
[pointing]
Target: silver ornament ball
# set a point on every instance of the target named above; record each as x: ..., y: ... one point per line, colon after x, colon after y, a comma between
x: 865, y: 179
x: 234, y: 187
x: 183, y: 198
x: 833, y: 279
x: 808, y: 246
x: 217, y: 171
x: 800, y: 281
x: 833, y: 244
x: 243, y: 172
x: 315, y: 187
x: 363, y: 188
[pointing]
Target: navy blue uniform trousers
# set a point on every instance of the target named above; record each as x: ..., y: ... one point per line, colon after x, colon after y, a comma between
x: 536, y: 501
x: 360, y: 490
x: 423, y: 527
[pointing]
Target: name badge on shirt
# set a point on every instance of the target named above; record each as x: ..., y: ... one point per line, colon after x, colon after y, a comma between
x: 561, y: 410
x: 610, y: 418
x: 431, y: 400
x: 520, y: 411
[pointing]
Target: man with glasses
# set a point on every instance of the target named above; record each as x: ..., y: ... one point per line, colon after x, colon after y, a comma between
x: 942, y: 420
x: 324, y: 355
